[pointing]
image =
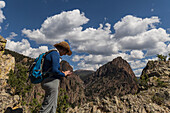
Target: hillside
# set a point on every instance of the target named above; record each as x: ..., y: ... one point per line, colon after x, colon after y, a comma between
x: 83, y: 74
x: 115, y: 78
x: 19, y: 58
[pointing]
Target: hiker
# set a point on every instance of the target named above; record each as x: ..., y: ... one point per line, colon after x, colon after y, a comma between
x: 52, y: 79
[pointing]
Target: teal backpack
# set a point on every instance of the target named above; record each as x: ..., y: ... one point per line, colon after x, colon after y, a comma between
x: 36, y: 74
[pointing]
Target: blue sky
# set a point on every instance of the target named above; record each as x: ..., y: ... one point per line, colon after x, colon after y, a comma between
x: 97, y: 30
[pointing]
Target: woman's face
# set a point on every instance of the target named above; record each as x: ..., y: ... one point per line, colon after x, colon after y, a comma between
x: 63, y: 52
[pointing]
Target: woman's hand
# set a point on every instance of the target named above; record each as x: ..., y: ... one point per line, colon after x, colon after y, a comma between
x: 67, y: 73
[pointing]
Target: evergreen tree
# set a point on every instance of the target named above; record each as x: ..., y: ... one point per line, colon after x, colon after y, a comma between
x: 161, y: 57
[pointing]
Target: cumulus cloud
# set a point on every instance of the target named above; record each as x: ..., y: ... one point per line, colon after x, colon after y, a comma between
x: 138, y: 64
x: 95, y: 61
x: 131, y: 26
x: 138, y: 72
x: 146, y: 40
x: 137, y: 54
x: 2, y: 5
x: 24, y: 48
x: 86, y: 66
x: 160, y: 48
x: 95, y: 41
x: 132, y: 36
x: 56, y: 28
x: 12, y: 35
x: 77, y: 58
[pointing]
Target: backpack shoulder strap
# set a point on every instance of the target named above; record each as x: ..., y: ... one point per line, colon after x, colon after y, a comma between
x: 50, y: 51
x: 42, y: 62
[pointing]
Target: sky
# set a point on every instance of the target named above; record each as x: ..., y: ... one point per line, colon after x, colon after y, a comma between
x: 97, y: 30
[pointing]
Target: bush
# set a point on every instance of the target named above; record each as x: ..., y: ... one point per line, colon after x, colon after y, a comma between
x: 62, y: 103
x: 18, y: 80
x: 158, y: 99
x: 34, y: 106
x: 161, y: 57
x: 143, y: 81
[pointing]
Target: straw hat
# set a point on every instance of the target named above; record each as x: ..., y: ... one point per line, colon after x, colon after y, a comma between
x: 64, y: 45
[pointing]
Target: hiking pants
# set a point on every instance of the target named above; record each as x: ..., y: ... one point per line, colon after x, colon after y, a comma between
x: 50, y: 85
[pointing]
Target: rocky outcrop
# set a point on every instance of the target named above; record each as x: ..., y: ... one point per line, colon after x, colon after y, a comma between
x: 2, y: 45
x: 115, y: 78
x: 7, y: 63
x: 73, y: 85
x: 153, y: 100
x: 155, y: 73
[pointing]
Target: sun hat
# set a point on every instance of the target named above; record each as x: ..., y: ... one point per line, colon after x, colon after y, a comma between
x: 65, y: 45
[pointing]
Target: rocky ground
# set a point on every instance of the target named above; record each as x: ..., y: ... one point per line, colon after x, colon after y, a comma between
x: 153, y: 100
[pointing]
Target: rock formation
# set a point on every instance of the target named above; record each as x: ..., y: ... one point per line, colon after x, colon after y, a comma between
x: 7, y: 63
x: 155, y: 73
x: 115, y: 78
x: 154, y: 99
x: 2, y: 45
x: 73, y: 85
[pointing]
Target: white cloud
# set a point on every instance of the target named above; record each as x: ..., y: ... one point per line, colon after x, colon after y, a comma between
x: 132, y: 35
x: 57, y: 28
x: 77, y: 58
x: 138, y: 72
x: 95, y: 61
x: 160, y: 48
x: 138, y: 64
x: 2, y: 5
x: 24, y: 48
x: 94, y: 41
x: 85, y: 66
x: 12, y: 35
x: 132, y: 26
x: 144, y: 41
x: 136, y: 54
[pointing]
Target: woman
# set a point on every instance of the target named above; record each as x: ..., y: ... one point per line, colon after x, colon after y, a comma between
x: 51, y: 82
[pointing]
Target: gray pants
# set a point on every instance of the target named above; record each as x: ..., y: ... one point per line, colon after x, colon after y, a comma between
x: 50, y: 85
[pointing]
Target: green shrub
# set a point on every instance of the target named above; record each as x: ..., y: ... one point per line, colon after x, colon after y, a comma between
x: 143, y: 81
x: 161, y: 57
x: 35, y: 106
x: 18, y: 80
x: 158, y: 99
x: 62, y: 103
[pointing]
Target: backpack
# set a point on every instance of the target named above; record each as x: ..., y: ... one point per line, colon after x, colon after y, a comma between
x: 36, y: 74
